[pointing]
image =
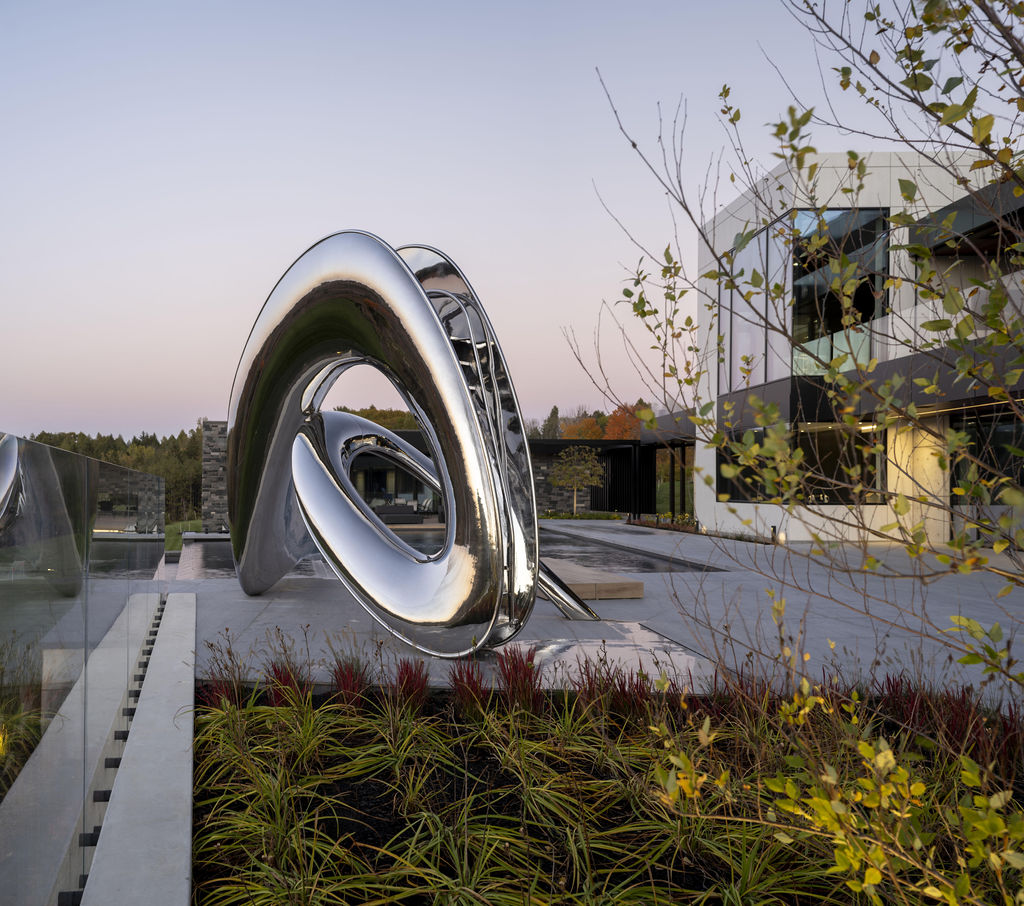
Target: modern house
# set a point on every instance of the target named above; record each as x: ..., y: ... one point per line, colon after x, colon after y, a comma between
x: 783, y: 324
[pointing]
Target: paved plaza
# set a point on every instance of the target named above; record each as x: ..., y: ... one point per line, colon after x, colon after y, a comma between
x: 711, y: 596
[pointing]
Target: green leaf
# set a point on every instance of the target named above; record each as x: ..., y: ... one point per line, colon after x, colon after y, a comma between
x: 1000, y: 800
x: 901, y: 506
x: 937, y: 324
x: 918, y: 81
x: 908, y: 189
x: 952, y: 83
x: 953, y: 113
x: 647, y: 417
x: 1013, y: 859
x: 965, y: 327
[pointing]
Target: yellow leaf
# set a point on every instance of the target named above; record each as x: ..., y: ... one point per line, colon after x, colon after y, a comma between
x: 983, y: 128
x: 885, y: 761
x: 872, y: 876
x: 873, y: 57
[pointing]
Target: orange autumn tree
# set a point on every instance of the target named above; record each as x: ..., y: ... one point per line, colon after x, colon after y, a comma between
x: 586, y: 428
x: 623, y: 423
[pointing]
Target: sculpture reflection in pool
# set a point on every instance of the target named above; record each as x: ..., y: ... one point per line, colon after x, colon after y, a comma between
x: 349, y: 300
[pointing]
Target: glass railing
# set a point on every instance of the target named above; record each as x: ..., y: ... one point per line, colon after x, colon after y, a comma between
x: 856, y: 344
x: 80, y: 543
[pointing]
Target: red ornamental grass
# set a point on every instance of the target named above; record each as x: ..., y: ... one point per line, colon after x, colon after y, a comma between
x: 467, y: 681
x: 217, y: 690
x: 350, y: 679
x: 284, y: 676
x: 624, y: 693
x: 410, y: 683
x: 592, y: 681
x: 959, y: 719
x: 630, y: 694
x: 519, y: 678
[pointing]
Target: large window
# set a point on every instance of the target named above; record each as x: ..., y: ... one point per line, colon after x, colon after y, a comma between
x: 839, y: 464
x: 785, y: 316
x: 844, y: 465
x: 754, y: 317
x: 837, y: 249
x: 995, y: 441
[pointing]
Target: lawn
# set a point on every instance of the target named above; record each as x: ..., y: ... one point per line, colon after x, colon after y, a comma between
x: 173, y: 530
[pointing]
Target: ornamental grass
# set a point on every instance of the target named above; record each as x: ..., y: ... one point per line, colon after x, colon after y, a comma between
x: 616, y: 790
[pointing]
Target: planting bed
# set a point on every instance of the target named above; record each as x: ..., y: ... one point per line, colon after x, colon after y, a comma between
x: 610, y: 792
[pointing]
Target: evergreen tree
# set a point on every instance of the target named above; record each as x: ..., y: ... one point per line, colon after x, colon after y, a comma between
x: 551, y: 429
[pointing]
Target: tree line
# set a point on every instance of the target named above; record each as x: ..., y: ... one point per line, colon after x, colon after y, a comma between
x: 622, y: 423
x: 177, y: 458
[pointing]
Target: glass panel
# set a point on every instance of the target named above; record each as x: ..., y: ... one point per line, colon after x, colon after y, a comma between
x: 780, y: 311
x: 408, y: 506
x: 77, y: 539
x: 749, y: 316
x: 725, y: 334
x: 995, y: 442
x: 839, y: 460
x: 838, y: 244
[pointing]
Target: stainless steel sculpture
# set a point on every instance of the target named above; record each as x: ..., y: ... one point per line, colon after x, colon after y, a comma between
x: 351, y: 299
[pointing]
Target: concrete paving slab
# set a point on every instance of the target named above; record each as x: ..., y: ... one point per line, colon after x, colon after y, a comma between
x: 594, y: 584
x: 888, y: 621
x: 318, y: 618
x: 718, y: 604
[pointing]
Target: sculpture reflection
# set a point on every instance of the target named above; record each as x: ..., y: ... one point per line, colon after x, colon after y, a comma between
x: 351, y: 299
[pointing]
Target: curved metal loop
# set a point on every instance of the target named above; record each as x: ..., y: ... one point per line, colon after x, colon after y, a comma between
x: 349, y: 300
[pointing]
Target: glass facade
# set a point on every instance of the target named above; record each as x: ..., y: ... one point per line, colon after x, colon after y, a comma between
x: 80, y: 541
x: 674, y: 480
x: 996, y: 442
x: 785, y: 315
x: 840, y: 465
x: 392, y: 492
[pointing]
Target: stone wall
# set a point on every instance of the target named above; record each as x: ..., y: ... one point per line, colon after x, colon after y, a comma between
x: 215, y: 476
x: 550, y: 498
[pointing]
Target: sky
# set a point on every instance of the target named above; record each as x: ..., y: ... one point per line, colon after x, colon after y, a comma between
x: 162, y: 165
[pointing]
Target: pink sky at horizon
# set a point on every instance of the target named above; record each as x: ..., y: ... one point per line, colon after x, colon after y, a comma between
x: 165, y: 165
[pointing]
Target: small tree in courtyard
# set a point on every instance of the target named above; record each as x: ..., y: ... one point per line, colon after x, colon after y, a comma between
x: 576, y: 467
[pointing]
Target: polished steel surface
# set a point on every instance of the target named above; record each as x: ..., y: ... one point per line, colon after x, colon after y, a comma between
x: 10, y: 477
x: 349, y: 300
